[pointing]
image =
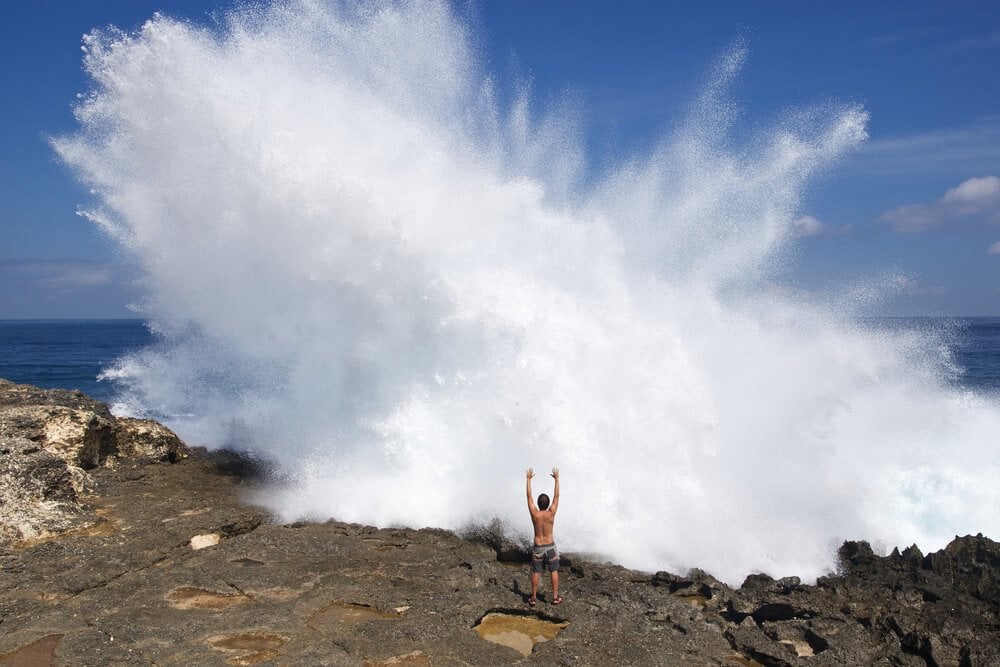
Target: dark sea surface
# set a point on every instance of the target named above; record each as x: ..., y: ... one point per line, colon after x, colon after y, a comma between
x: 70, y: 354
x: 974, y: 344
x: 67, y: 354
x: 977, y: 352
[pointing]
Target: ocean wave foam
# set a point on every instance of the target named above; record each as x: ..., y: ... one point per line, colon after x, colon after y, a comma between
x: 362, y: 266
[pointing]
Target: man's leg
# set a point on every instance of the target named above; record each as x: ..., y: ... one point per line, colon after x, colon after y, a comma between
x: 555, y: 584
x: 534, y: 585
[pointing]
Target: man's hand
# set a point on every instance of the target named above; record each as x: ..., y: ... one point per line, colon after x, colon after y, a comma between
x: 555, y: 473
x: 530, y: 473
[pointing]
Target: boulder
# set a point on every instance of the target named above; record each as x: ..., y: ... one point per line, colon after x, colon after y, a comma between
x: 37, y: 491
x: 148, y: 440
x: 969, y: 564
x: 49, y: 440
x: 69, y: 424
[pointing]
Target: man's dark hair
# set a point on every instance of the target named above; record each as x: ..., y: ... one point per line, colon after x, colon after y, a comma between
x: 543, y: 501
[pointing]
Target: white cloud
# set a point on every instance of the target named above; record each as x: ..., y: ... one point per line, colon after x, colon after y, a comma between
x: 76, y: 277
x: 974, y: 198
x: 809, y: 225
x: 985, y: 42
x: 970, y: 149
x: 61, y: 276
x: 908, y: 285
x: 973, y: 193
x: 994, y: 249
x: 901, y: 37
x: 931, y: 34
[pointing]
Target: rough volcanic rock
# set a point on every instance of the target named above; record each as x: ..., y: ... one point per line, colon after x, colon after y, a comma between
x: 898, y: 609
x: 970, y: 565
x: 25, y: 395
x: 147, y: 440
x: 508, y: 546
x: 130, y: 589
x: 36, y: 490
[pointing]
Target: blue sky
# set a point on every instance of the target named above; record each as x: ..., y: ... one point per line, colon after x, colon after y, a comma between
x: 921, y: 198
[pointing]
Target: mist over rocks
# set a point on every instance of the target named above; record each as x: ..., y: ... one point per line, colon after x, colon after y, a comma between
x: 129, y: 588
x: 420, y: 277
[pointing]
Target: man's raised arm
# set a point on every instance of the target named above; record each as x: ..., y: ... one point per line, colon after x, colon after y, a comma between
x: 531, y: 500
x: 555, y: 494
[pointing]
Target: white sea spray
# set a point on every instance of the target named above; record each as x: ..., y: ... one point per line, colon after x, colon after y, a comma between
x: 362, y: 266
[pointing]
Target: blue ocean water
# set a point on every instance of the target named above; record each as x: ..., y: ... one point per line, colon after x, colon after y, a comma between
x: 973, y: 342
x: 67, y: 354
x: 70, y: 354
x: 977, y: 352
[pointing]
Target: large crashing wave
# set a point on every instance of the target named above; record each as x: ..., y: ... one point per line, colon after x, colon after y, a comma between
x: 363, y: 266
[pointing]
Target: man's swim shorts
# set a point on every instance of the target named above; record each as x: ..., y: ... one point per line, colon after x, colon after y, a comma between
x: 544, y: 555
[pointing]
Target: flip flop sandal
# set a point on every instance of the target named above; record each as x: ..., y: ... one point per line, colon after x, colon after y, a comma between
x: 532, y: 602
x: 558, y: 600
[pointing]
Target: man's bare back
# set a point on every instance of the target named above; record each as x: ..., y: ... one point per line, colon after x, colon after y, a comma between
x: 543, y: 519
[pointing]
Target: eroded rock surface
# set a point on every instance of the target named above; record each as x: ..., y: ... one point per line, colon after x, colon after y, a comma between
x: 129, y: 589
x: 49, y: 440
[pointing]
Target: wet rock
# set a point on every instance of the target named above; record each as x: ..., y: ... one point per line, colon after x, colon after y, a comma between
x: 518, y: 630
x: 39, y: 652
x: 250, y: 647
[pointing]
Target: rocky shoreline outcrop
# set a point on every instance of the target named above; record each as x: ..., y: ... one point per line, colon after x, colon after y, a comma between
x: 48, y: 440
x: 121, y: 546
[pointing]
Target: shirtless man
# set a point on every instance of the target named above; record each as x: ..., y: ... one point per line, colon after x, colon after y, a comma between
x: 543, y: 553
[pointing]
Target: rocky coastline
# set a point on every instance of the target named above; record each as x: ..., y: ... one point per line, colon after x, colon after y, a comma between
x: 119, y: 545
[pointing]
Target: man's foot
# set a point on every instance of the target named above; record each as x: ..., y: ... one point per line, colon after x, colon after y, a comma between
x: 532, y: 602
x: 557, y: 599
